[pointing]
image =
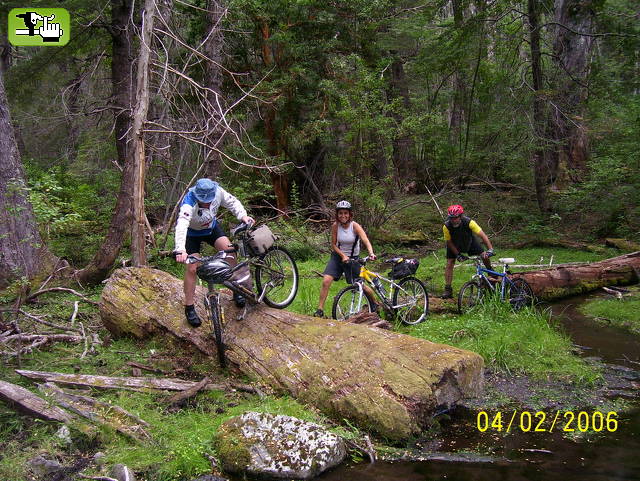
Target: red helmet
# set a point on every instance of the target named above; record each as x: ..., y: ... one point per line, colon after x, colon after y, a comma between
x: 455, y: 210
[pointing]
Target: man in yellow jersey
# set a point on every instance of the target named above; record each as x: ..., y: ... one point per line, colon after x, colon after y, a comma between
x: 460, y: 235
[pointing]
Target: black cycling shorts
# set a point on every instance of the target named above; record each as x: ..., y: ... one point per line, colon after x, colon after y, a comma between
x: 194, y: 242
x: 475, y: 249
x: 335, y: 268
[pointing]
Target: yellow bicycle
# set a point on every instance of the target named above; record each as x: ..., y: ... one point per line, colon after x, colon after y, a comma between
x: 404, y: 296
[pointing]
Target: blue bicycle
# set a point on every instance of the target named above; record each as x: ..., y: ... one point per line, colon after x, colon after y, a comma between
x: 514, y: 290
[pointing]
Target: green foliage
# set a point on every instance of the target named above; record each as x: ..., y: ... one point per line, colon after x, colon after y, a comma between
x: 525, y: 342
x: 68, y: 206
x: 619, y: 312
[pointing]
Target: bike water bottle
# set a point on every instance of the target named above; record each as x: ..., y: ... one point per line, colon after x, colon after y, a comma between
x: 378, y: 285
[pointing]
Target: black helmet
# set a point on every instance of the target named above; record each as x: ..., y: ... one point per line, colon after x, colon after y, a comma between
x: 215, y: 270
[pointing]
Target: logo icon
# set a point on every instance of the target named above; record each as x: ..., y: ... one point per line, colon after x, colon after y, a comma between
x: 30, y: 27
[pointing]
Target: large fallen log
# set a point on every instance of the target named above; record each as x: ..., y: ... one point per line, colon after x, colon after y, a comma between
x: 567, y: 280
x: 380, y: 380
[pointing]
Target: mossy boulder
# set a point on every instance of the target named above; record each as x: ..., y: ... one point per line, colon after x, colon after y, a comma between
x: 277, y: 446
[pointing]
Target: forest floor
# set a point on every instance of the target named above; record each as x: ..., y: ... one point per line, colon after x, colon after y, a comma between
x: 531, y: 362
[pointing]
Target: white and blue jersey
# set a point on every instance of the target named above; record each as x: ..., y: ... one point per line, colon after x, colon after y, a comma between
x: 194, y: 220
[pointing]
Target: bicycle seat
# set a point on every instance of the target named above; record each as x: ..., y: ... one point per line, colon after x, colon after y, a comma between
x: 507, y: 260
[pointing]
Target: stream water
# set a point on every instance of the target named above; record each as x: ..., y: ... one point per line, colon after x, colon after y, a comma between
x: 516, y: 456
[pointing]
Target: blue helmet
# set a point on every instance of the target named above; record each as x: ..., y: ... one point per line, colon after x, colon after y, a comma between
x: 204, y: 190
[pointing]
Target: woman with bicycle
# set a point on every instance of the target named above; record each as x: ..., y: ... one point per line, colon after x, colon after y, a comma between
x: 197, y: 223
x: 459, y: 234
x: 346, y: 235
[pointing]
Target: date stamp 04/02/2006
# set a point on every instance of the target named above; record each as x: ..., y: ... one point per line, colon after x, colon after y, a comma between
x: 542, y: 422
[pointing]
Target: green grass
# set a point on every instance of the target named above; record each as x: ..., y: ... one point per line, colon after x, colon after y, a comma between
x: 525, y: 342
x: 618, y: 312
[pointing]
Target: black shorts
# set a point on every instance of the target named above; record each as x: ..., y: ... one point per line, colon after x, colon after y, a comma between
x: 195, y: 241
x: 475, y: 249
x: 335, y: 268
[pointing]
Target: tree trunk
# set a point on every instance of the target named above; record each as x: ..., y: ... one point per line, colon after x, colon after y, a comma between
x: 544, y: 168
x: 402, y: 143
x: 22, y: 253
x: 279, y: 180
x: 380, y: 380
x: 137, y: 151
x: 122, y: 81
x: 572, y: 55
x: 564, y: 281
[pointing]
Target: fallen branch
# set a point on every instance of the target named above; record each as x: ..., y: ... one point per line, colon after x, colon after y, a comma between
x: 32, y: 405
x: 105, y: 382
x: 40, y: 321
x: 98, y: 412
x: 187, y: 393
x: 60, y: 289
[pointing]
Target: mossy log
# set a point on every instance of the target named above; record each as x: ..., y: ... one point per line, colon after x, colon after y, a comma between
x: 380, y: 380
x: 567, y: 280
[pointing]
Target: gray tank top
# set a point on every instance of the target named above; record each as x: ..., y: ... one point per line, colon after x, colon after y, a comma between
x: 348, y: 241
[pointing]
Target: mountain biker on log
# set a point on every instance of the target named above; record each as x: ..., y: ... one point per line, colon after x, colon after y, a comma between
x: 346, y: 235
x: 460, y: 236
x: 197, y: 223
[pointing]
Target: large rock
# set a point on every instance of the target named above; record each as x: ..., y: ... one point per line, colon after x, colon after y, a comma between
x: 380, y: 380
x: 277, y: 446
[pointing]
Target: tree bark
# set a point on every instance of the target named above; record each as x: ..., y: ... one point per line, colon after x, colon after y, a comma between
x: 572, y: 56
x: 544, y: 167
x: 402, y: 143
x: 564, y: 281
x: 137, y: 151
x: 122, y: 64
x: 27, y: 402
x: 279, y: 180
x: 22, y: 252
x: 380, y: 380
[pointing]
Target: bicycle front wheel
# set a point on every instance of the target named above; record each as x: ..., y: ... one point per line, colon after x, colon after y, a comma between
x: 519, y: 294
x: 349, y: 302
x: 411, y: 301
x: 470, y: 295
x: 215, y: 315
x: 277, y: 273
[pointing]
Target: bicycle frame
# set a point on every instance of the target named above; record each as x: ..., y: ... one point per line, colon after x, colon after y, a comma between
x: 368, y: 276
x: 481, y: 276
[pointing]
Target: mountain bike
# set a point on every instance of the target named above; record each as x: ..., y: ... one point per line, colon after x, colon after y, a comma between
x: 516, y: 291
x: 274, y: 271
x: 405, y: 298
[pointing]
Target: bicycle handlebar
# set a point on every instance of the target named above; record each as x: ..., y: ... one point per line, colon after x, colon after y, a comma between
x: 243, y: 226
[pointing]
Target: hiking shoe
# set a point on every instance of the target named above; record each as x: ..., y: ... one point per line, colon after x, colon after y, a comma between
x: 239, y: 299
x: 448, y: 293
x: 192, y: 317
x: 319, y: 313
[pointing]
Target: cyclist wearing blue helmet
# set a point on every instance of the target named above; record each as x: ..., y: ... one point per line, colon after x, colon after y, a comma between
x: 346, y: 235
x: 197, y: 223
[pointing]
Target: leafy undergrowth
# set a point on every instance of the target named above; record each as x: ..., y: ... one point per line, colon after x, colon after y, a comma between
x: 618, y: 312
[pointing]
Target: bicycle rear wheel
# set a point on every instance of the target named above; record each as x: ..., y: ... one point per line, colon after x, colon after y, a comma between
x: 470, y: 295
x: 349, y: 302
x: 413, y: 301
x: 216, y: 317
x: 278, y: 271
x: 519, y: 294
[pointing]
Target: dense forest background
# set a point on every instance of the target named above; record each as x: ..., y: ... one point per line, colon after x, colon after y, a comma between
x: 292, y: 105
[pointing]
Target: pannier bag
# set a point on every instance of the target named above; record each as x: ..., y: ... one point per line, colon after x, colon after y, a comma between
x: 403, y: 268
x: 261, y: 239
